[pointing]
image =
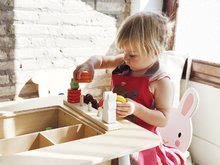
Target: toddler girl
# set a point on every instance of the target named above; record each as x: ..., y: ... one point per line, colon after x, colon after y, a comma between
x: 138, y: 77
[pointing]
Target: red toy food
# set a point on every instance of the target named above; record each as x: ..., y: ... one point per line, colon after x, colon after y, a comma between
x: 73, y: 95
x: 85, y: 77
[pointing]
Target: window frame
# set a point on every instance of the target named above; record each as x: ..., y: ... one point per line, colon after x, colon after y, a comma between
x: 205, y: 72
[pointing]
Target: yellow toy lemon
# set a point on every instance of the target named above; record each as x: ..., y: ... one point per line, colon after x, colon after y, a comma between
x: 121, y: 99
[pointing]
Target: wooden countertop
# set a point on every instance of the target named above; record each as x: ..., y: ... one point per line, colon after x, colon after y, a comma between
x: 128, y: 139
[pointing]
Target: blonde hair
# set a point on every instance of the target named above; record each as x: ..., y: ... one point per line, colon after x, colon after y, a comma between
x: 146, y: 32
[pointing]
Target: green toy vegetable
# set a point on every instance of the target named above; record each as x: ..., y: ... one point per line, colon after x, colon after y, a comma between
x: 73, y: 84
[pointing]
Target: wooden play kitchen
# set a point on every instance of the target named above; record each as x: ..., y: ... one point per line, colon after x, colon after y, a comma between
x: 52, y: 131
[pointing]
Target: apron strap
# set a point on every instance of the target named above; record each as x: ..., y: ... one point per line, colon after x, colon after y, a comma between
x: 158, y: 76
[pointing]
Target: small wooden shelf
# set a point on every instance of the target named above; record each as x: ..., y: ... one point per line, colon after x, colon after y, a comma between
x: 26, y: 131
x: 76, y: 135
x: 35, y: 121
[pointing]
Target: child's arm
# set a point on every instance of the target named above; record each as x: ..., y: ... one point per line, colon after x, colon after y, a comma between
x: 98, y: 62
x: 163, y: 95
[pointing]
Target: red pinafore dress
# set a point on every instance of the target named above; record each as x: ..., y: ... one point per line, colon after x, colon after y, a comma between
x: 137, y: 88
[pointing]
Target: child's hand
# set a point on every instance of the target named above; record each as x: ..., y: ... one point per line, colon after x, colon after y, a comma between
x: 125, y: 109
x: 81, y: 68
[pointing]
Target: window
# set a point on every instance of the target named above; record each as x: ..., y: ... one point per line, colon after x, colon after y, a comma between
x: 198, y: 29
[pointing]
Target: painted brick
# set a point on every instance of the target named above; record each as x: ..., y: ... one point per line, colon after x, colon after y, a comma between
x: 33, y: 53
x: 38, y: 4
x: 116, y: 6
x: 35, y: 42
x: 38, y: 17
x: 75, y: 6
x: 89, y: 18
x: 36, y: 29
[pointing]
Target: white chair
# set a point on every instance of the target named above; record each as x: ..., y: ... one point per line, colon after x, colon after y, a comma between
x: 178, y: 131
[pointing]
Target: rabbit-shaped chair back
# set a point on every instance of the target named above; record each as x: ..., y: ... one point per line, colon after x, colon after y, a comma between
x: 178, y: 131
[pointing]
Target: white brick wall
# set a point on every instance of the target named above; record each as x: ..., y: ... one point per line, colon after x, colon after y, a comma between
x: 46, y: 34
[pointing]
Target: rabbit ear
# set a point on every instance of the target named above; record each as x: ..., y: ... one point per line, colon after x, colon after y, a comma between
x: 189, y: 102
